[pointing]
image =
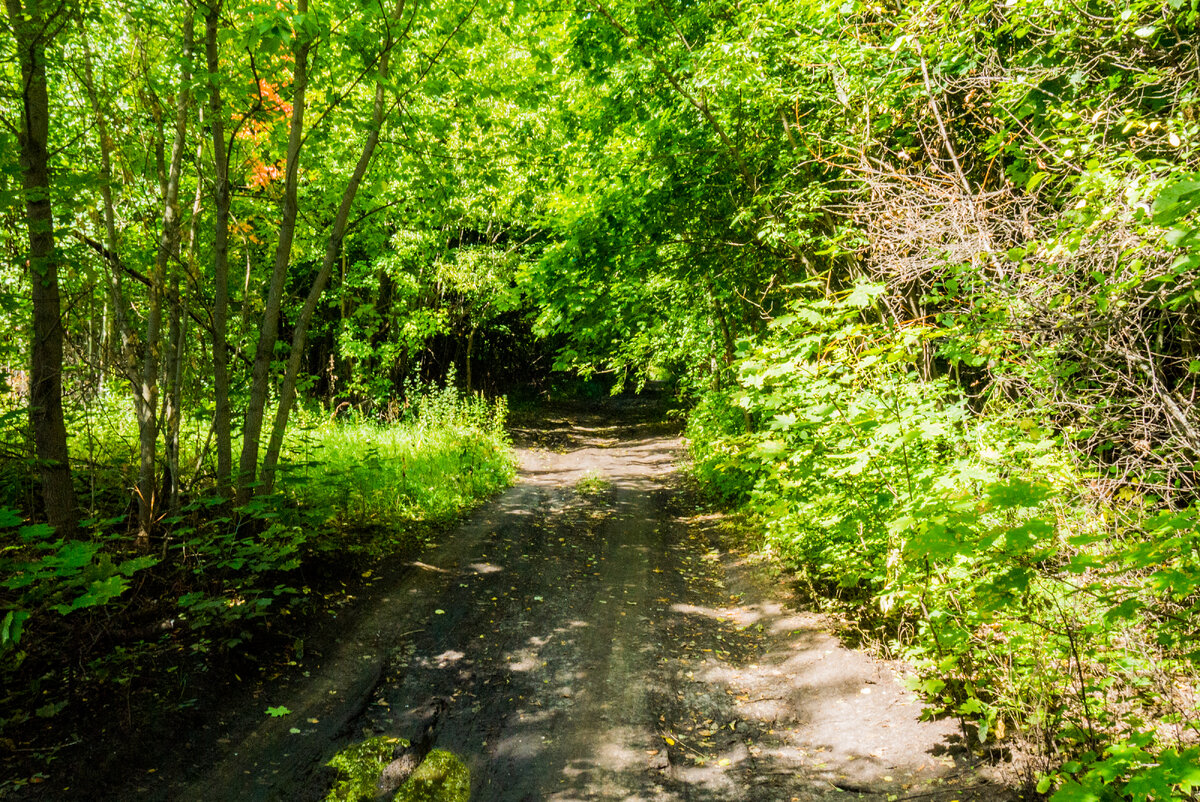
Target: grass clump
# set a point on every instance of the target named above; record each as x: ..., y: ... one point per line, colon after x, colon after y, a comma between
x: 441, y: 777
x: 446, y: 452
x: 592, y: 484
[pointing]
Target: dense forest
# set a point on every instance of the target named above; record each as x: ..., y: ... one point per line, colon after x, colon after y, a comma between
x: 925, y: 278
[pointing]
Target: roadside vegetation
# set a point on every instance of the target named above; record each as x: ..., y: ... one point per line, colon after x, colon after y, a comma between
x: 98, y: 620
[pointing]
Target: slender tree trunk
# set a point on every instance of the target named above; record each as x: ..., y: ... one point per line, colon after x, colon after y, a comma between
x: 730, y: 352
x: 122, y: 336
x: 222, y: 417
x: 470, y: 353
x: 146, y: 393
x: 33, y: 27
x: 268, y: 331
x: 173, y: 378
x: 287, y: 393
x: 174, y: 368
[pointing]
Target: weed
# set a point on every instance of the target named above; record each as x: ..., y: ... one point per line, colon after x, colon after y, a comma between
x: 592, y: 483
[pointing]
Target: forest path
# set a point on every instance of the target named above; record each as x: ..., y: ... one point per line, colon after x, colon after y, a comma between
x: 595, y: 639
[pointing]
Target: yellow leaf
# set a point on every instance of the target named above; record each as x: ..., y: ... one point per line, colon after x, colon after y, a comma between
x: 670, y: 741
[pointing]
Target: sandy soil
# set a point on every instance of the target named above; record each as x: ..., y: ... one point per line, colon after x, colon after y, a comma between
x: 594, y: 638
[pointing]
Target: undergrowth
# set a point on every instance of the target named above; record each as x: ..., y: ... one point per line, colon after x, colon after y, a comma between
x: 87, y: 621
x: 1050, y: 617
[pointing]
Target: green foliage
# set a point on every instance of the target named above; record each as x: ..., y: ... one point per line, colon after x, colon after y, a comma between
x: 447, y: 450
x: 966, y: 540
x: 441, y: 777
x: 930, y: 272
x: 41, y: 572
x: 355, y: 490
x: 592, y: 483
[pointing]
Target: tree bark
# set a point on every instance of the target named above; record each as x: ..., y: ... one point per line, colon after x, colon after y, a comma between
x: 174, y: 369
x: 287, y: 392
x: 268, y: 331
x: 33, y: 27
x: 146, y: 391
x: 120, y: 345
x: 222, y: 416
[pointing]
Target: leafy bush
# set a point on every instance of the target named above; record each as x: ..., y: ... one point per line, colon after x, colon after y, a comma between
x: 1030, y: 609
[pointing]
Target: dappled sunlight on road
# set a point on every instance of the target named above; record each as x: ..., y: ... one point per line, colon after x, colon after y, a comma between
x: 593, y: 641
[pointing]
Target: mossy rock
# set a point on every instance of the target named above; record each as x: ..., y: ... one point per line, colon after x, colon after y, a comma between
x: 359, y: 766
x: 441, y: 777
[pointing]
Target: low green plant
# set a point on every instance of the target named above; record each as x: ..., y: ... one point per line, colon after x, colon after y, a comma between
x: 358, y: 767
x: 42, y: 572
x: 592, y: 483
x: 441, y: 777
x: 447, y: 451
x: 215, y: 576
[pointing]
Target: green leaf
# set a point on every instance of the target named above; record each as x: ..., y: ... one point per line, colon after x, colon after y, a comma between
x: 1018, y: 493
x: 1074, y: 792
x: 1176, y: 201
x: 36, y: 532
x: 1182, y: 768
x: 99, y: 592
x: 783, y: 421
x: 278, y: 712
x: 770, y: 448
x: 72, y: 556
x: 863, y: 295
x: 132, y: 566
x: 10, y: 629
x: 1021, y: 538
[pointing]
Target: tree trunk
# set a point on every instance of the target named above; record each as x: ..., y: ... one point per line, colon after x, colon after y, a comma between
x: 32, y: 29
x: 173, y: 479
x: 287, y: 393
x: 268, y: 331
x: 470, y: 353
x: 121, y: 336
x: 222, y: 417
x: 146, y: 392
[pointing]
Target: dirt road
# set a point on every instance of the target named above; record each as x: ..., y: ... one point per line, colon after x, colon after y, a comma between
x: 594, y: 639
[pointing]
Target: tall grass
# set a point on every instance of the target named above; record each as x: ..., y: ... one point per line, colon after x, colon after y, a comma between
x: 444, y: 453
x: 427, y: 458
